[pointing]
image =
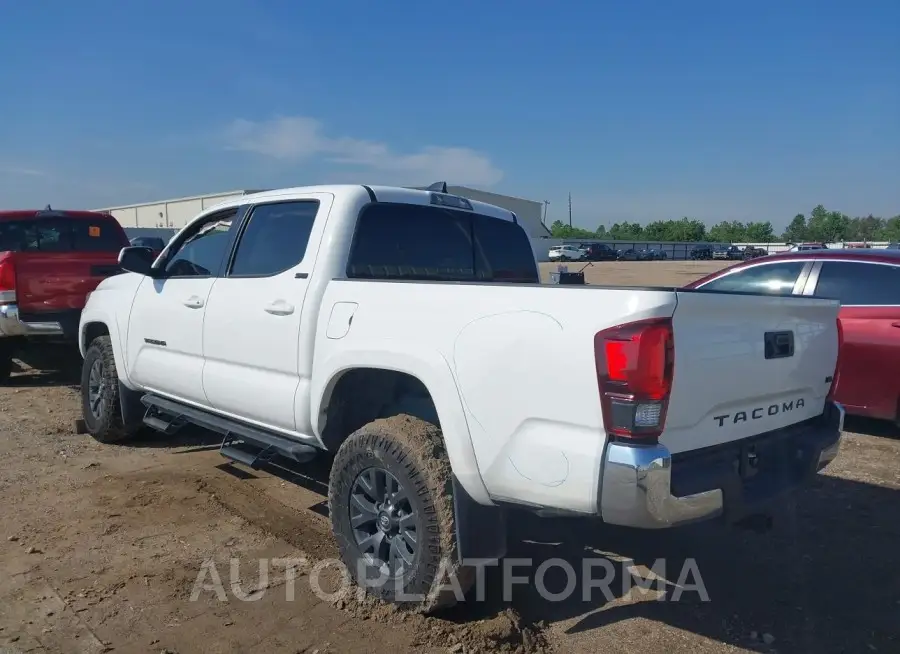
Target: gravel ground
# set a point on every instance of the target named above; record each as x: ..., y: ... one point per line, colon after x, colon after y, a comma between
x: 102, y: 547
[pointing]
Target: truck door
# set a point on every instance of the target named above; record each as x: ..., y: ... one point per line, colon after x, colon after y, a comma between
x: 252, y: 329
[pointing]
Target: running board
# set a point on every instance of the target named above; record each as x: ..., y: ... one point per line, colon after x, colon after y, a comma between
x: 241, y: 443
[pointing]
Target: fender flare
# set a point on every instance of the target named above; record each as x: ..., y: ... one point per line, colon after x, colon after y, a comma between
x: 433, y: 370
x: 94, y: 317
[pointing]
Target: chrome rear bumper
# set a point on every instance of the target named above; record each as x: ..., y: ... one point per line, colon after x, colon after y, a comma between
x: 12, y: 325
x: 637, y: 484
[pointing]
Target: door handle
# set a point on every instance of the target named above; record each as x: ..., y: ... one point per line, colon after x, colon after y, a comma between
x: 193, y: 302
x: 280, y: 308
x: 895, y: 324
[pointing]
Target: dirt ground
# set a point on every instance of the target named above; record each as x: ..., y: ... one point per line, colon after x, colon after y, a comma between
x: 102, y: 546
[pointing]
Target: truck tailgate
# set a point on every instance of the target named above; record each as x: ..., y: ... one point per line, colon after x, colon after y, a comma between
x: 747, y: 364
x: 59, y: 281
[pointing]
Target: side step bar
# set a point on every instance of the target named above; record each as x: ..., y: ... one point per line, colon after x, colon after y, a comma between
x: 241, y: 443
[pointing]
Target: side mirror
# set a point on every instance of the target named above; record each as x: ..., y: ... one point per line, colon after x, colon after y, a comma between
x: 137, y: 259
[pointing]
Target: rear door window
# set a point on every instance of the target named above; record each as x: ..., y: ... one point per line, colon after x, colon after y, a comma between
x: 772, y: 279
x: 859, y: 283
x: 275, y: 238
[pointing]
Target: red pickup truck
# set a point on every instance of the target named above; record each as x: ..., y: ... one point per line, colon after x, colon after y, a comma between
x: 49, y: 261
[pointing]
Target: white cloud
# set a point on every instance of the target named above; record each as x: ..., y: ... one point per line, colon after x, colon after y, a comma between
x: 18, y: 170
x: 294, y: 138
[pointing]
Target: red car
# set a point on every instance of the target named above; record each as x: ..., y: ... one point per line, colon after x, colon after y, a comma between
x: 867, y: 282
x: 49, y: 261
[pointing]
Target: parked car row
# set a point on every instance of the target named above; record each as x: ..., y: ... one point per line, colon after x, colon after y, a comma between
x: 731, y: 253
x: 603, y: 252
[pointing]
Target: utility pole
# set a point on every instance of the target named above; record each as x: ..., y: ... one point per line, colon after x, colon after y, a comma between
x: 546, y: 204
x: 570, y: 209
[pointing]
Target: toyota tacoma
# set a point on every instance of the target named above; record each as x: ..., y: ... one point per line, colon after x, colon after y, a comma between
x: 406, y: 333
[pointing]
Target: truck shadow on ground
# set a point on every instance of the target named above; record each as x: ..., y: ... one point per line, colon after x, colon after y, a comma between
x: 36, y: 371
x: 872, y: 427
x: 821, y: 580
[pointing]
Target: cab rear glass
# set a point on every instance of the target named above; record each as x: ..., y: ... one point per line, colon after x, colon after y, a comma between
x: 429, y: 243
x: 62, y: 234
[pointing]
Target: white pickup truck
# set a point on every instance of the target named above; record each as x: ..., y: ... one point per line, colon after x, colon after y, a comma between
x: 407, y: 333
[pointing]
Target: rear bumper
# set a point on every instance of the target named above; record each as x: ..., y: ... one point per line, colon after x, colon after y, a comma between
x: 14, y: 324
x: 649, y: 488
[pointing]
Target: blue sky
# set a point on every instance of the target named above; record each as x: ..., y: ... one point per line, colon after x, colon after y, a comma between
x: 641, y: 109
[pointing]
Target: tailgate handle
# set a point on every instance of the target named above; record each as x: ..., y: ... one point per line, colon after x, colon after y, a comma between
x: 779, y: 345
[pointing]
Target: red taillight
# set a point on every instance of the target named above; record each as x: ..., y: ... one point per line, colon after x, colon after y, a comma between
x: 837, y: 364
x: 635, y: 363
x: 7, y: 280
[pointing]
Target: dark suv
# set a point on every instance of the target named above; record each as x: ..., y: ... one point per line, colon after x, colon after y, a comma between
x: 701, y: 252
x: 598, y: 252
x: 751, y: 252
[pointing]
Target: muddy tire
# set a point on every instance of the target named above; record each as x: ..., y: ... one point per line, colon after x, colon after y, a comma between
x: 100, y: 404
x: 390, y: 498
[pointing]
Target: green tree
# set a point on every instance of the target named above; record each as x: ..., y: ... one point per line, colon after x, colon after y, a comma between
x: 822, y: 225
x: 560, y: 230
x: 728, y: 232
x: 759, y: 232
x: 797, y: 231
x: 626, y: 231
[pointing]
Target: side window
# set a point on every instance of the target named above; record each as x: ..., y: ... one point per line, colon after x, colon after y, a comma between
x: 505, y: 252
x: 772, y: 278
x: 274, y: 239
x: 101, y: 235
x: 858, y: 283
x: 201, y: 253
x: 408, y: 241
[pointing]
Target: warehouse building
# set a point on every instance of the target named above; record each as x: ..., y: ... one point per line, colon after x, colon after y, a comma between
x: 176, y: 213
x: 168, y: 214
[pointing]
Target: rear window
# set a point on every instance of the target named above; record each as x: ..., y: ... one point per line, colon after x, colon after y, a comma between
x: 60, y: 234
x: 405, y: 241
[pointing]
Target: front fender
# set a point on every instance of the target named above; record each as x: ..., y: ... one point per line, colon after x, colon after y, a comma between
x: 432, y: 369
x: 94, y: 314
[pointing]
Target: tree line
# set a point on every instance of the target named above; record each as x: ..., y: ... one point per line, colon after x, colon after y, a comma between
x: 821, y: 225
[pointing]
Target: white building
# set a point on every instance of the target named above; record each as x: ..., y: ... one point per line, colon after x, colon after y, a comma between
x: 176, y: 213
x: 529, y: 212
x: 171, y: 214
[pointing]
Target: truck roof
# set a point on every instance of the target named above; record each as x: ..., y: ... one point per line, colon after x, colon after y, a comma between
x: 25, y: 214
x: 396, y: 194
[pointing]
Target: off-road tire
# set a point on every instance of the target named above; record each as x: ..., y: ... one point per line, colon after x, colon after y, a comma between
x: 108, y: 426
x: 412, y: 451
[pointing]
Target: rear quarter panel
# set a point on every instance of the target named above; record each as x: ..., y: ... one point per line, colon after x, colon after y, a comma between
x: 493, y: 353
